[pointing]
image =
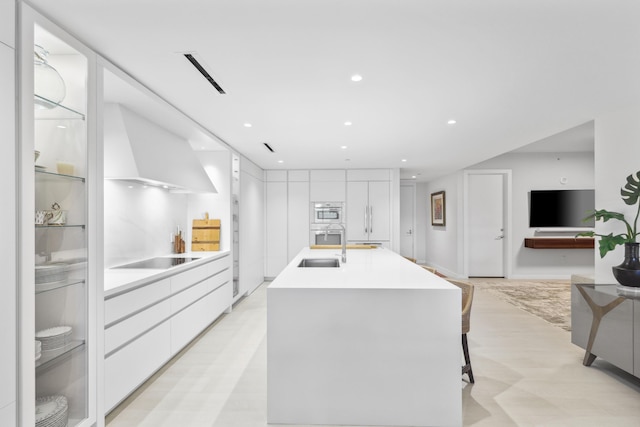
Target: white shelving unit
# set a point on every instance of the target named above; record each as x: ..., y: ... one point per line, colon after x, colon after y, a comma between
x: 67, y: 177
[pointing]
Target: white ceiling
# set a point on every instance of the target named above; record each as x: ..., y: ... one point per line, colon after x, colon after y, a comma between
x: 509, y: 72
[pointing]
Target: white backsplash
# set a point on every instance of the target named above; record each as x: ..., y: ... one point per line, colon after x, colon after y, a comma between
x: 138, y: 221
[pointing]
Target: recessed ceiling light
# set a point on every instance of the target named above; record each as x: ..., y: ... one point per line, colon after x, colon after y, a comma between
x: 344, y: 147
x: 130, y: 186
x: 348, y: 123
x: 404, y: 160
x: 280, y: 161
x: 451, y: 122
x: 248, y: 125
x: 61, y: 126
x: 413, y: 176
x: 165, y: 186
x: 356, y: 78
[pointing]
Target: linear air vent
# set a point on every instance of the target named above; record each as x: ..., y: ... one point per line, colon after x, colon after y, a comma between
x: 204, y: 72
x: 268, y: 147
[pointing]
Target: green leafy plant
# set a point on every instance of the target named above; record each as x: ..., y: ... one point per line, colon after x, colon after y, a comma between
x: 630, y: 194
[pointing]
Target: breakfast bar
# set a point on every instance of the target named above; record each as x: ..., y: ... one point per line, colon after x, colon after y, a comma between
x: 373, y: 341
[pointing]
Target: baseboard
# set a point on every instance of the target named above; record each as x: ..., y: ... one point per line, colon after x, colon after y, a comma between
x: 540, y: 277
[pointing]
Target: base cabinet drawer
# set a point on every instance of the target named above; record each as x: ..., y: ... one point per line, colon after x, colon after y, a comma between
x: 120, y: 333
x: 126, y: 304
x: 126, y: 369
x: 190, y: 322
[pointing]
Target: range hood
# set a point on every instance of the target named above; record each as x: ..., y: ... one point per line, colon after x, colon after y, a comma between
x: 138, y: 150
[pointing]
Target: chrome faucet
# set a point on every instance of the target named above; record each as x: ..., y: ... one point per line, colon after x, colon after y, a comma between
x: 343, y: 239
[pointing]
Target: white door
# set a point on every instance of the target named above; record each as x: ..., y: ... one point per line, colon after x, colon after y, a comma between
x: 486, y: 225
x: 407, y: 213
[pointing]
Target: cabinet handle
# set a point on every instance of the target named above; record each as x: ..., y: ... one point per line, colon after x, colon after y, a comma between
x: 370, y: 219
x: 365, y: 221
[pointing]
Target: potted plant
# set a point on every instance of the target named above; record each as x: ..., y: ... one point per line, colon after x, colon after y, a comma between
x: 627, y: 273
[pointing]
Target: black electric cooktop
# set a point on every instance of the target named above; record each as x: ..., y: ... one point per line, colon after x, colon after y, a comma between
x: 158, y: 263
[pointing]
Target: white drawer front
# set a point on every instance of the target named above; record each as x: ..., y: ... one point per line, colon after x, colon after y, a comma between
x: 131, y: 366
x: 219, y: 264
x: 188, y: 296
x: 123, y: 305
x: 185, y: 279
x: 187, y: 324
x: 128, y: 329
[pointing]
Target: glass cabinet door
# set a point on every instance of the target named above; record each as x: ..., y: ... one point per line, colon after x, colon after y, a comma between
x: 59, y: 315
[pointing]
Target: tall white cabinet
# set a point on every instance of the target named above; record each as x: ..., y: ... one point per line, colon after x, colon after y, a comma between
x: 61, y: 252
x: 8, y: 334
x: 275, y: 222
x: 368, y: 206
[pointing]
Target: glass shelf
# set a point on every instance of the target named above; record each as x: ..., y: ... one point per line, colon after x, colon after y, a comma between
x: 52, y: 175
x: 61, y: 226
x: 45, y: 287
x: 48, y: 358
x: 56, y: 112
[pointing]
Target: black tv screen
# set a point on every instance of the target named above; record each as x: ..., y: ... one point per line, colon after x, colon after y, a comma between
x: 561, y: 208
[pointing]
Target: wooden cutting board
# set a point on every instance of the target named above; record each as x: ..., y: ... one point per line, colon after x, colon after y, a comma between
x: 205, y: 235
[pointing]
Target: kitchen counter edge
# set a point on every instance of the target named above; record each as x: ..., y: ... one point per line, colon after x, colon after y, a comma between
x: 118, y: 281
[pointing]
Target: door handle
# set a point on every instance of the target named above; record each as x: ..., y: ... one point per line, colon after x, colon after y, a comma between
x: 499, y: 237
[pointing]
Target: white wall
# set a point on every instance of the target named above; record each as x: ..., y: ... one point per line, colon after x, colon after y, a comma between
x: 217, y: 165
x: 543, y: 171
x: 138, y: 221
x: 617, y: 154
x: 440, y: 246
x: 252, y: 213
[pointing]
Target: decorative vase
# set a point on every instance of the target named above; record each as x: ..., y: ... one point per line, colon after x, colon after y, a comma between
x: 628, y: 273
x: 48, y: 84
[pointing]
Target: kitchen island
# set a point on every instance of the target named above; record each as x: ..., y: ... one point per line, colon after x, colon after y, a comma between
x: 375, y: 341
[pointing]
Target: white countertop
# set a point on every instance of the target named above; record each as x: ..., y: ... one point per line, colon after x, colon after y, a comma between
x: 365, y: 269
x: 118, y: 280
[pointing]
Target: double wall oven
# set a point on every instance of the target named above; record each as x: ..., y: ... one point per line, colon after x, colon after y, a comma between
x: 324, y: 214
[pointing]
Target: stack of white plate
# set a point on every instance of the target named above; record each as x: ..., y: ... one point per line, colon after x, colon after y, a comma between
x: 54, y: 338
x: 52, y: 411
x: 38, y: 349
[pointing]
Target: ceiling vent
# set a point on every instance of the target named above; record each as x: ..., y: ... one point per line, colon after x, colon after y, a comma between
x: 204, y: 72
x: 268, y: 147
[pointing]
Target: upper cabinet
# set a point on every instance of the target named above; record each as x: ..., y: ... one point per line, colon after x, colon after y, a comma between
x: 60, y: 209
x: 8, y: 22
x: 327, y: 185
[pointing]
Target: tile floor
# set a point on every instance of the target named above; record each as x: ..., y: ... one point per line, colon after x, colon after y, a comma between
x: 527, y: 374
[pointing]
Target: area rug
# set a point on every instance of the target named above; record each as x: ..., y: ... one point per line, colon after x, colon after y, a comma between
x: 548, y: 299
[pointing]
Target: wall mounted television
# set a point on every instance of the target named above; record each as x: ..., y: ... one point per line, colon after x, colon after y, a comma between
x: 561, y: 208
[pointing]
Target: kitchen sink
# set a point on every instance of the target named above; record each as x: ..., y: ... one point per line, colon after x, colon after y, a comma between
x: 319, y: 262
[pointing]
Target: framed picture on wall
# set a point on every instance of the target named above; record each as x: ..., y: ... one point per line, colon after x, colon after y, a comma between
x: 438, y: 212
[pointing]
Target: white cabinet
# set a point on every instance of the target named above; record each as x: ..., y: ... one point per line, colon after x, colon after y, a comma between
x: 128, y: 368
x: 299, y: 217
x: 60, y: 254
x: 7, y: 24
x: 327, y: 185
x: 8, y: 219
x: 151, y: 323
x: 368, y: 211
x: 276, y: 228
